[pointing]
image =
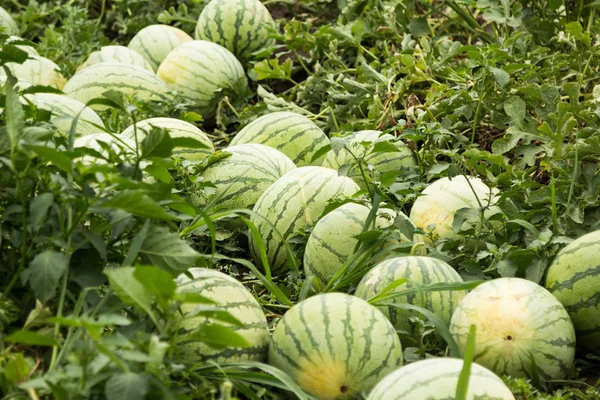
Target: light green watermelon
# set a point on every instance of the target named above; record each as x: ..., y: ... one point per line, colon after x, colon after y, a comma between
x: 203, y: 72
x: 437, y: 379
x: 245, y: 174
x: 293, y: 134
x: 361, y: 144
x: 516, y: 319
x: 8, y: 26
x: 37, y: 71
x: 122, y: 146
x: 574, y: 279
x: 176, y: 129
x: 130, y: 80
x: 424, y: 271
x: 64, y: 110
x: 241, y: 26
x: 331, y: 242
x: 293, y: 203
x: 440, y: 201
x: 335, y: 346
x: 232, y: 296
x: 116, y: 54
x: 154, y: 42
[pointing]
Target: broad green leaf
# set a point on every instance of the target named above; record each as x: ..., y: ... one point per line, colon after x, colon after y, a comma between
x: 130, y: 290
x: 58, y: 158
x: 165, y: 249
x: 516, y: 109
x: 31, y: 339
x: 158, y: 281
x: 502, y: 77
x: 157, y: 143
x: 217, y: 336
x: 15, y: 117
x: 44, y: 273
x: 127, y: 386
x: 138, y: 203
x: 38, y: 208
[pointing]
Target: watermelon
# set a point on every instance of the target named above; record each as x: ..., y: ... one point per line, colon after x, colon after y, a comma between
x: 8, y: 26
x: 64, y: 110
x: 92, y: 82
x: 203, y: 72
x: 122, y: 146
x: 441, y: 200
x: 516, y: 319
x: 242, y: 177
x: 293, y: 134
x: 154, y: 42
x: 331, y: 242
x: 37, y: 71
x: 437, y: 379
x: 424, y: 271
x: 335, y: 346
x: 116, y: 54
x: 292, y: 204
x: 241, y: 26
x: 361, y: 144
x: 176, y: 129
x: 27, y: 49
x: 229, y: 295
x: 574, y: 279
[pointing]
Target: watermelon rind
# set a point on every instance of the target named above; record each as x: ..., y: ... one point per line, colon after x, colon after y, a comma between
x: 116, y: 54
x: 335, y: 346
x: 230, y: 295
x: 37, y: 71
x: 516, y: 320
x: 574, y: 279
x: 155, y: 42
x: 437, y: 379
x: 7, y: 23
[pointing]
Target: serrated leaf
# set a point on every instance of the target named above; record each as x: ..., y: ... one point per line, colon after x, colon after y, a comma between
x: 515, y: 108
x: 127, y: 386
x: 44, y: 273
x: 165, y: 249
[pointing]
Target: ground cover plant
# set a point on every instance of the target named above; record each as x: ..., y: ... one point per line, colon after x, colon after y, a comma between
x: 307, y: 199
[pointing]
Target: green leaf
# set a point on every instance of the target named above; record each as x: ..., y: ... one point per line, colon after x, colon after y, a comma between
x: 516, y: 109
x: 419, y: 27
x: 157, y: 143
x: 217, y: 336
x: 158, y: 281
x: 38, y: 208
x: 11, y: 53
x: 58, y: 158
x: 44, y: 273
x: 272, y: 69
x: 31, y: 339
x: 127, y: 386
x: 385, y: 147
x: 15, y: 117
x: 130, y: 290
x: 138, y: 203
x: 462, y: 385
x: 502, y: 77
x: 213, y: 312
x: 165, y: 249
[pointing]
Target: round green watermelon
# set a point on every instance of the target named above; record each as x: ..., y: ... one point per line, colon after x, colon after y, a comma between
x: 335, y: 346
x: 574, y: 279
x: 241, y: 26
x: 245, y: 174
x: 516, y: 319
x: 155, y: 42
x: 64, y: 110
x: 292, y: 204
x: 130, y: 80
x: 229, y: 295
x: 37, y: 71
x: 176, y: 129
x: 434, y: 210
x: 293, y: 134
x: 424, y: 271
x: 361, y: 144
x: 116, y: 54
x: 437, y: 379
x: 331, y: 242
x: 8, y: 26
x: 203, y: 72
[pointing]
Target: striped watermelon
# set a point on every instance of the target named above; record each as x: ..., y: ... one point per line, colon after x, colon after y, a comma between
x: 232, y: 296
x: 242, y: 177
x: 241, y: 26
x: 129, y: 80
x: 116, y: 54
x: 444, y: 197
x: 38, y: 71
x: 64, y: 110
x: 423, y: 270
x: 516, y: 319
x: 437, y: 379
x: 574, y: 279
x: 177, y: 129
x: 203, y: 72
x: 361, y: 145
x: 122, y: 146
x: 154, y: 42
x: 335, y: 346
x: 293, y: 134
x: 8, y: 26
x: 293, y: 203
x: 332, y: 242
